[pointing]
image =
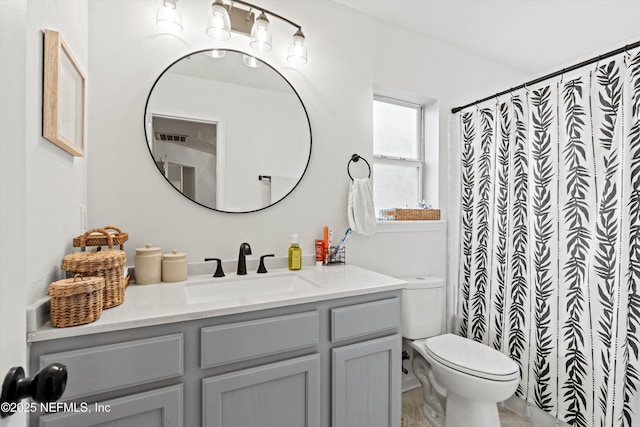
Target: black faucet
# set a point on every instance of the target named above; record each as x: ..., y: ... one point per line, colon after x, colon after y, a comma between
x: 245, y: 250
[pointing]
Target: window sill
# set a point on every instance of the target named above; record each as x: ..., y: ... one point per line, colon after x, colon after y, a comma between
x: 410, y: 226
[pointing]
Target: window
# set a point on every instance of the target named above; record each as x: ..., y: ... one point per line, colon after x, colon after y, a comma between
x: 398, y: 153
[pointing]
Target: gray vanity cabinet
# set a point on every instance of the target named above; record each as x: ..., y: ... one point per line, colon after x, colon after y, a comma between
x: 329, y: 363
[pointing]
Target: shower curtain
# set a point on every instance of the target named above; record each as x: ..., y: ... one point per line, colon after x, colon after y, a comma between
x: 549, y: 261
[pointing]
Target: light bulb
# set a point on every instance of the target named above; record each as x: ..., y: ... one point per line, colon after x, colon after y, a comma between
x: 260, y: 34
x: 297, y: 53
x: 218, y: 22
x: 169, y: 16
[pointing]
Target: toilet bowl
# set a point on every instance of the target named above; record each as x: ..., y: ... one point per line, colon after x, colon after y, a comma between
x: 474, y: 376
x: 469, y: 377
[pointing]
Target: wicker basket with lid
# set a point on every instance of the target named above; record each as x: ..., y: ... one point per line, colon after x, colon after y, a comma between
x: 76, y: 301
x: 106, y: 263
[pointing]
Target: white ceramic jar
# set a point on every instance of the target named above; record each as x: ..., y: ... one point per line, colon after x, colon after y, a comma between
x: 174, y: 267
x: 148, y: 265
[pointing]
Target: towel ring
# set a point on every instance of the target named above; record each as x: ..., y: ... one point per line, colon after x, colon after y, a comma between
x: 355, y: 158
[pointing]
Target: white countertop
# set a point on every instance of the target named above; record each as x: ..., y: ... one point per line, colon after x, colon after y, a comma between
x: 148, y: 305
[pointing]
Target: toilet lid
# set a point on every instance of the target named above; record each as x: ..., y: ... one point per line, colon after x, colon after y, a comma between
x: 471, y: 357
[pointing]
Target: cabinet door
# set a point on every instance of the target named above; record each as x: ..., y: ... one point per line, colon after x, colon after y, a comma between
x: 283, y: 394
x: 366, y: 383
x: 157, y: 408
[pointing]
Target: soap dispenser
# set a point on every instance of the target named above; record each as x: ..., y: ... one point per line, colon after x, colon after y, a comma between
x: 295, y: 254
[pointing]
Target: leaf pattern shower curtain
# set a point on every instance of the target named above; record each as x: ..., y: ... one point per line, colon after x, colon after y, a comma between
x: 550, y: 240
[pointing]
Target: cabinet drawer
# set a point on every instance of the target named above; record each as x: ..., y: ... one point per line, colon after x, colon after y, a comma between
x: 98, y: 369
x: 156, y: 408
x: 246, y: 340
x: 363, y: 319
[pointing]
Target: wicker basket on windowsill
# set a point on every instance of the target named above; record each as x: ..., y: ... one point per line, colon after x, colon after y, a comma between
x: 416, y: 214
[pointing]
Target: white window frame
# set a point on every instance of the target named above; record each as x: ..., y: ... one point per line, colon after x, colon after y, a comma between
x: 418, y: 162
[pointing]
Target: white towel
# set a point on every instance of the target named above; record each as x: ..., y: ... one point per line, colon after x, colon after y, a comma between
x: 362, y: 216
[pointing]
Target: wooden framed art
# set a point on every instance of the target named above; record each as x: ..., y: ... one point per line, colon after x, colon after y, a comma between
x: 63, y: 96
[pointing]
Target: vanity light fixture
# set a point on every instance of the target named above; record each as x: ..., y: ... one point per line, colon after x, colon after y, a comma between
x: 224, y: 18
x: 169, y: 16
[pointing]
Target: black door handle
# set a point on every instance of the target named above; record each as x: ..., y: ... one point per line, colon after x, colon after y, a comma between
x: 47, y: 386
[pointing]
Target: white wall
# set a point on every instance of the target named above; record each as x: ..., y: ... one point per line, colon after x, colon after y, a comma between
x: 12, y: 191
x: 56, y: 181
x: 42, y: 186
x: 349, y: 53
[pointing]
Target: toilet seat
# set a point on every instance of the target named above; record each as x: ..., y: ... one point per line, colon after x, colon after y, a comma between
x: 471, y: 357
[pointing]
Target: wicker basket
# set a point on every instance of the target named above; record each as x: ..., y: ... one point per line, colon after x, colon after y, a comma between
x: 99, y: 239
x: 76, y: 301
x: 417, y: 214
x: 106, y: 263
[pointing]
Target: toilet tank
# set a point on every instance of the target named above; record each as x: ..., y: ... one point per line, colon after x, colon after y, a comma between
x: 423, y: 305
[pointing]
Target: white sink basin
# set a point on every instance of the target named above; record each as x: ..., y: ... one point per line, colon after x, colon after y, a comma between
x: 262, y: 287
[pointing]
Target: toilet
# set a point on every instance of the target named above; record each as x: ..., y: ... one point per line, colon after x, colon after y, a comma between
x: 462, y: 380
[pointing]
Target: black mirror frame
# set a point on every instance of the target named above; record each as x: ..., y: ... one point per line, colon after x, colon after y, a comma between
x: 146, y: 106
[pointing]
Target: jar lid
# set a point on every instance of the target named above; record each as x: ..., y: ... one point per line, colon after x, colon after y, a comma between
x: 174, y: 255
x: 148, y: 250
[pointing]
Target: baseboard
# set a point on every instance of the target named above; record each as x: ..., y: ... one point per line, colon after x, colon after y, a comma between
x: 531, y: 413
x: 409, y: 384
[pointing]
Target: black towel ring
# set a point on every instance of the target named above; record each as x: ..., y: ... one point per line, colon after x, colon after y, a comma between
x: 355, y: 158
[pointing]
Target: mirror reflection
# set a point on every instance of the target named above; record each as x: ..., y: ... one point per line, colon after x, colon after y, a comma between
x: 227, y: 131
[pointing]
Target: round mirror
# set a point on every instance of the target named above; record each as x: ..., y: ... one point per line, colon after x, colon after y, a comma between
x: 227, y: 131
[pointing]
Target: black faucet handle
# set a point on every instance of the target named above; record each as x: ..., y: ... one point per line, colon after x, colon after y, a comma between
x: 262, y: 268
x: 219, y: 272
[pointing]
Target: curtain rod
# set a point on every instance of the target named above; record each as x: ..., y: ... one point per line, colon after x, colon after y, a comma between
x: 552, y: 75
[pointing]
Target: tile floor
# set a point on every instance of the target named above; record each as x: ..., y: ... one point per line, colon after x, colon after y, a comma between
x: 411, y: 410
